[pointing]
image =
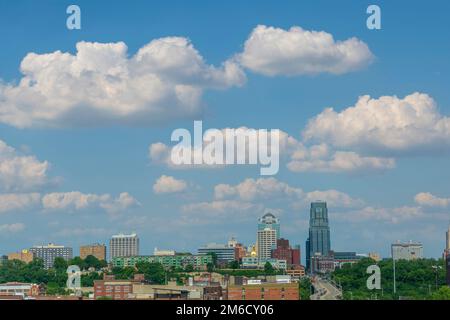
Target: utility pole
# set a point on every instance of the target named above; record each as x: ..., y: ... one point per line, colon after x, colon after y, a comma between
x: 393, y: 264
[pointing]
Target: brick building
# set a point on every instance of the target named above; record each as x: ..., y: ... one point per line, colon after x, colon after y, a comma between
x: 24, y: 256
x: 96, y: 250
x: 284, y: 251
x: 114, y: 289
x: 264, y: 291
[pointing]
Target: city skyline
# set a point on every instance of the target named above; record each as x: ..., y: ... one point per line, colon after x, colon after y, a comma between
x: 267, y: 240
x: 86, y: 118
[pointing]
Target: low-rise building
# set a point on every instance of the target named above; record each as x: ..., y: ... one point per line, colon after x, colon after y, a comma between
x: 322, y: 264
x: 171, y: 291
x: 263, y: 291
x: 19, y: 289
x: 296, y: 271
x: 224, y: 252
x: 157, y: 252
x: 198, y: 262
x: 111, y: 288
x: 257, y: 263
x: 341, y: 258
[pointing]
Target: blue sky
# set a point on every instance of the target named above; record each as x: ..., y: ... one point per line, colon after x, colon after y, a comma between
x: 371, y: 206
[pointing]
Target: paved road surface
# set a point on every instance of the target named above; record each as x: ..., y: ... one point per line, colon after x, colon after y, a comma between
x: 324, y: 290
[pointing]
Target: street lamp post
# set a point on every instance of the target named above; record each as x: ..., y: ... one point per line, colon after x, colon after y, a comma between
x: 436, y: 269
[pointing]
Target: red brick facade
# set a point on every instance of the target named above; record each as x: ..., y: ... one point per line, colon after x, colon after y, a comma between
x: 269, y: 291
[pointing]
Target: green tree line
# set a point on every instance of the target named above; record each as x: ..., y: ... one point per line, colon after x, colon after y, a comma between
x: 417, y: 279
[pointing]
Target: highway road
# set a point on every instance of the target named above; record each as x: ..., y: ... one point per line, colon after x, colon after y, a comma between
x: 325, y: 290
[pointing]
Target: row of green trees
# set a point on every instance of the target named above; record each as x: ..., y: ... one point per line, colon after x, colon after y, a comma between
x: 53, y: 279
x: 417, y: 279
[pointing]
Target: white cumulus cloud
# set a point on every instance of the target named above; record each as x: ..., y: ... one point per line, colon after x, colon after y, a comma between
x: 76, y: 200
x: 18, y: 201
x: 168, y: 184
x: 388, y: 124
x: 21, y: 172
x: 102, y: 84
x: 428, y: 199
x: 274, y: 51
x: 267, y: 189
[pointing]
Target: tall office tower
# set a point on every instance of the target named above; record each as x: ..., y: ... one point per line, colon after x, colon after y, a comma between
x: 319, y: 232
x: 267, y: 241
x: 122, y: 245
x: 447, y: 243
x: 50, y: 252
x: 269, y: 221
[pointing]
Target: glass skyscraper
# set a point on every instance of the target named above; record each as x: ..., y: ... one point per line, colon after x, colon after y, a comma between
x: 318, y: 241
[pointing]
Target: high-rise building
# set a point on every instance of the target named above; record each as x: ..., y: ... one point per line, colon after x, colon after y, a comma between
x: 96, y: 250
x: 284, y: 251
x: 447, y: 242
x: 24, y: 256
x: 239, y: 251
x: 407, y: 251
x: 266, y: 242
x: 269, y: 221
x: 319, y: 232
x: 232, y: 242
x: 123, y: 245
x: 51, y: 251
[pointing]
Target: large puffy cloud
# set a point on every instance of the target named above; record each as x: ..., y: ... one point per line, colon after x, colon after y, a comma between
x: 168, y: 184
x: 430, y: 200
x: 264, y: 189
x: 18, y: 201
x: 21, y: 172
x: 100, y: 84
x: 388, y: 124
x: 76, y: 200
x: 274, y: 51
